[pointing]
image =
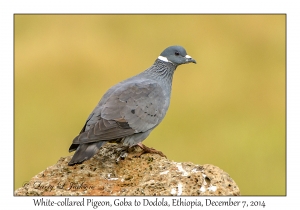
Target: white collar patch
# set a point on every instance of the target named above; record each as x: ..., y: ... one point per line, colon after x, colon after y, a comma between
x: 162, y: 58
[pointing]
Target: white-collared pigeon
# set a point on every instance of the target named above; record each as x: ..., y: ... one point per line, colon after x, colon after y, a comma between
x: 131, y: 109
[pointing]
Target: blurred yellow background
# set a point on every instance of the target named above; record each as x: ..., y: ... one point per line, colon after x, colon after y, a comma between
x: 227, y: 110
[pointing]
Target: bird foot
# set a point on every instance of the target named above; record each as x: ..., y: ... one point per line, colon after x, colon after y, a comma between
x: 146, y: 149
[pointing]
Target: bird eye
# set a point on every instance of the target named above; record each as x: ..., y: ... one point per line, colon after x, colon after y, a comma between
x: 176, y: 53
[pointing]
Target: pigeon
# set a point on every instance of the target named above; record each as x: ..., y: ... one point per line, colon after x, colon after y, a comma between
x: 131, y: 109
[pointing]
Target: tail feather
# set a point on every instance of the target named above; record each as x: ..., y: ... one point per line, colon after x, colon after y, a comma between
x: 85, y: 152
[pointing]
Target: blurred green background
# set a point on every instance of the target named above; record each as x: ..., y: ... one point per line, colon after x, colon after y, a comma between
x: 227, y: 110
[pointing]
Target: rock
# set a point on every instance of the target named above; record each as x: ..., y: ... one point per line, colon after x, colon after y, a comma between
x: 149, y: 174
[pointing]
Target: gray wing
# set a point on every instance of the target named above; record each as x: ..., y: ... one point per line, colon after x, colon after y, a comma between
x: 131, y: 108
x: 140, y: 104
x: 104, y: 130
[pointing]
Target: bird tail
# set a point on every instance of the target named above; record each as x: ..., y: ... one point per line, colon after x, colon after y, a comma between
x: 85, y: 152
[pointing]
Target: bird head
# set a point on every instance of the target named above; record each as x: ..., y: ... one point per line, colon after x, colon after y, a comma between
x: 176, y: 55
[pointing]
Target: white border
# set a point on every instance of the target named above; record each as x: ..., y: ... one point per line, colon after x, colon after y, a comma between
x: 8, y: 8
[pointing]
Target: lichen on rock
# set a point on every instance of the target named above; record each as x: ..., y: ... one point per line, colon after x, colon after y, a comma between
x: 149, y: 174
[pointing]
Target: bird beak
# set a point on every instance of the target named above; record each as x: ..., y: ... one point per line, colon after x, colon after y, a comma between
x: 189, y: 59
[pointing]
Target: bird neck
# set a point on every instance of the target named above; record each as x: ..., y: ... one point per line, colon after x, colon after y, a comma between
x: 161, y: 71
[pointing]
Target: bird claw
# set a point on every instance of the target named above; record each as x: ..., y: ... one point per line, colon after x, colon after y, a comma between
x: 146, y: 149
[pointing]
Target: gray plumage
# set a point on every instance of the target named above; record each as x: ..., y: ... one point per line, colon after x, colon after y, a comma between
x: 131, y: 109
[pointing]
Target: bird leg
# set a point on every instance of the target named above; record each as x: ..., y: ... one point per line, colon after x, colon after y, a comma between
x: 146, y: 149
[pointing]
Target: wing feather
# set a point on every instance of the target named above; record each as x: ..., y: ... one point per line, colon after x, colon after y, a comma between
x: 143, y: 105
x: 132, y: 108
